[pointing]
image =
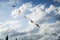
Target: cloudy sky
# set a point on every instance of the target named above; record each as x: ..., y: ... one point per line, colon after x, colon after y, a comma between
x: 45, y: 13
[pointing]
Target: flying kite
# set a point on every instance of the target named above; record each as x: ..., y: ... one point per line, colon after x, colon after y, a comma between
x: 54, y: 34
x: 37, y: 25
x: 33, y: 22
x: 19, y: 11
x: 13, y: 6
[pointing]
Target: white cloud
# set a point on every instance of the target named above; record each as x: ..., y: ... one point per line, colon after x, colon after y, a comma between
x: 10, y: 26
x: 28, y: 28
x: 14, y: 25
x: 49, y: 28
x: 38, y: 15
x: 42, y: 16
x: 50, y: 9
x: 53, y: 27
x: 23, y: 8
x: 15, y: 13
x: 43, y: 28
x: 58, y: 11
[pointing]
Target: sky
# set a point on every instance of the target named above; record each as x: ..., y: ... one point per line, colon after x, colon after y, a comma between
x: 45, y: 13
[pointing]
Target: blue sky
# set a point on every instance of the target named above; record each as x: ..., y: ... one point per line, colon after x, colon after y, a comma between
x: 42, y: 12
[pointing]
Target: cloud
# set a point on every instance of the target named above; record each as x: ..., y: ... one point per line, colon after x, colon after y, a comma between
x: 47, y: 17
x: 14, y: 25
x: 50, y: 9
x: 58, y: 11
x: 15, y: 13
x: 57, y: 1
x: 9, y: 3
x: 44, y: 15
x: 13, y: 1
x: 36, y: 12
x: 39, y: 14
x: 23, y: 8
x: 9, y: 26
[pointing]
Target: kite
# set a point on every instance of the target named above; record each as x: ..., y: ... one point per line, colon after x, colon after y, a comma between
x: 19, y: 11
x: 32, y: 22
x: 13, y: 6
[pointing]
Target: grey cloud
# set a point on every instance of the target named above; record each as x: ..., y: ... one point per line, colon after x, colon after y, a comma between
x: 57, y: 1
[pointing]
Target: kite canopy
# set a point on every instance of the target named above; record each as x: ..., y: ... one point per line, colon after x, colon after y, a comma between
x: 31, y: 21
x: 19, y: 11
x: 54, y: 34
x: 13, y: 6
